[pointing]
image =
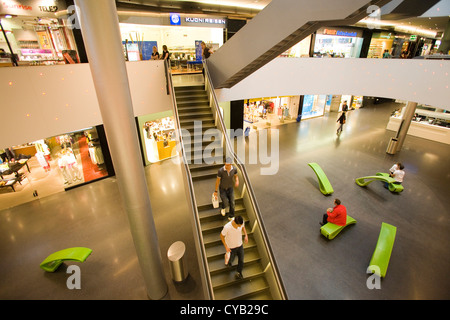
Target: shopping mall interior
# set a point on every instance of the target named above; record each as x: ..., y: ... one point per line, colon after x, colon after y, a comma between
x: 292, y: 206
x: 65, y: 176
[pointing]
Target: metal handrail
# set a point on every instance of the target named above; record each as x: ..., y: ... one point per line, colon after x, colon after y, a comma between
x: 251, y: 193
x: 188, y: 180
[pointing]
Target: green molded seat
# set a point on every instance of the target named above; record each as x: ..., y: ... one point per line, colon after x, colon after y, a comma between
x: 382, y: 254
x: 393, y: 187
x: 331, y: 230
x: 53, y: 261
x: 324, y: 183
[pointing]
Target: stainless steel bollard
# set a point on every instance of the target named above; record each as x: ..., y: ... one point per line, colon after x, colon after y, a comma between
x: 175, y: 254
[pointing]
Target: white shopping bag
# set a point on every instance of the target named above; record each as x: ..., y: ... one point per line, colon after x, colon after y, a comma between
x: 227, y: 257
x: 215, y: 201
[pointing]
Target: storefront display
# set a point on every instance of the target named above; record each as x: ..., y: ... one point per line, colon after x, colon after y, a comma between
x: 182, y: 39
x: 338, y: 43
x: 48, y: 166
x: 357, y: 102
x: 428, y: 123
x: 266, y: 112
x: 35, y: 35
x: 313, y: 106
x: 159, y: 137
x: 381, y: 41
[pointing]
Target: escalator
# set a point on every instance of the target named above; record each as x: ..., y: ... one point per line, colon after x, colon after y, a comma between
x: 200, y: 123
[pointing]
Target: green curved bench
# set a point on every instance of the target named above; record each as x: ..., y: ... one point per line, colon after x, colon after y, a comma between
x: 393, y: 187
x: 53, y: 261
x: 383, y: 249
x: 324, y: 183
x: 384, y: 177
x: 331, y: 230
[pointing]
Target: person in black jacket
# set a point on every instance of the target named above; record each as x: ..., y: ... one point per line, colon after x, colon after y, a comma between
x: 341, y: 121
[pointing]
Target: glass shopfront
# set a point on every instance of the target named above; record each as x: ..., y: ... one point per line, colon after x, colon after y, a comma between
x: 338, y: 43
x: 314, y: 106
x: 265, y: 112
x: 182, y: 39
x: 157, y: 135
x: 47, y: 166
x: 381, y: 41
x: 34, y: 34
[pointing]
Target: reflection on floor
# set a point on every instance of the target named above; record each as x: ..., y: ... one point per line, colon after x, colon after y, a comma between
x: 292, y: 206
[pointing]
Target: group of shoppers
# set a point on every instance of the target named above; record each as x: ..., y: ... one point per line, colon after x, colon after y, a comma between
x: 164, y: 56
x: 206, y: 52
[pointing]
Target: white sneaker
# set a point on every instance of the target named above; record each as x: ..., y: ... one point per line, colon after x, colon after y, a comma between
x: 222, y: 212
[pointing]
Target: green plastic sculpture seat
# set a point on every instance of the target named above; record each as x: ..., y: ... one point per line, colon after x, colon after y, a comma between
x: 324, y: 183
x: 331, y: 230
x: 393, y: 187
x: 382, y: 254
x: 384, y: 177
x: 53, y: 261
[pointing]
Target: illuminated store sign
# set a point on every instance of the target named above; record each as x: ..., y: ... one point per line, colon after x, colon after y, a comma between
x: 333, y: 32
x: 175, y: 19
x: 41, y: 8
x: 205, y: 20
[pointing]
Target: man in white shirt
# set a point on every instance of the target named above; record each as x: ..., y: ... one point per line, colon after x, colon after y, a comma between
x: 397, y: 172
x: 231, y: 237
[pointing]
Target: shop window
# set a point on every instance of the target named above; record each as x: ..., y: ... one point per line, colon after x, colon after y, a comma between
x: 159, y: 139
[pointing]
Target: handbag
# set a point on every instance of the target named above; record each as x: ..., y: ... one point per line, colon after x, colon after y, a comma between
x: 215, y: 201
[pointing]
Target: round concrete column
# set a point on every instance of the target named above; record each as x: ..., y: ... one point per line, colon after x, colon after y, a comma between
x: 101, y: 34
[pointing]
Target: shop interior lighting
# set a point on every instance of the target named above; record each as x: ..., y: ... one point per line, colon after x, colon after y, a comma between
x: 398, y: 27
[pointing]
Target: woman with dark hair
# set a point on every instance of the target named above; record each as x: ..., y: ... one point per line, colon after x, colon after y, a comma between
x: 166, y: 54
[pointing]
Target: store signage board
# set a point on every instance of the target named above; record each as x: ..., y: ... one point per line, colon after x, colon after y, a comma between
x: 35, y: 8
x: 175, y: 19
x: 333, y: 32
x: 413, y: 37
x: 179, y: 20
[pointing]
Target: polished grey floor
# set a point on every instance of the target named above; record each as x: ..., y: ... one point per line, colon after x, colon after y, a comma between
x: 291, y: 205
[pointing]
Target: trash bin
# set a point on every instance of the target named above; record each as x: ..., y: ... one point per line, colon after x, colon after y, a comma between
x: 392, y: 146
x: 175, y: 254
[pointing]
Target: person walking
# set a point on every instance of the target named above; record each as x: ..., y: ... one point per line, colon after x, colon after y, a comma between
x: 341, y: 121
x: 231, y: 237
x: 206, y: 53
x: 226, y: 181
x: 345, y: 106
x: 336, y: 215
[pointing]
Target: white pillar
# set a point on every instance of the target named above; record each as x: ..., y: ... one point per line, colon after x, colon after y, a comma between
x: 101, y: 33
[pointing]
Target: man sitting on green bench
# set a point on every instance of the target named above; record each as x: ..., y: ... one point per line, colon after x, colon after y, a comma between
x: 336, y: 215
x: 397, y: 173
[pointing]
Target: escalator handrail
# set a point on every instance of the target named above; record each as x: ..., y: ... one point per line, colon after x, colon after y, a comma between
x: 193, y: 202
x: 251, y: 193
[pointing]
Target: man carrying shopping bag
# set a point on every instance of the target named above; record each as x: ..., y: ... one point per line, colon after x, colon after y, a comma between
x: 231, y: 237
x: 227, y: 180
